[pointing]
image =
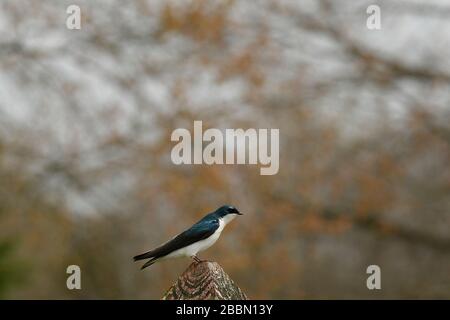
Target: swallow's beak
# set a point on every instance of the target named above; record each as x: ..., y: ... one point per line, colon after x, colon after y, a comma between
x: 239, y: 213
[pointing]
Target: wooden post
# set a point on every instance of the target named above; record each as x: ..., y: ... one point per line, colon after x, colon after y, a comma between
x: 204, y: 280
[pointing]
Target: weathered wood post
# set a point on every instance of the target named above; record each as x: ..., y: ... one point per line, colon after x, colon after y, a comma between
x: 204, y: 280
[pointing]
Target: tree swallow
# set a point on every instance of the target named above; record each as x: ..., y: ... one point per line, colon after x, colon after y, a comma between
x: 199, y: 237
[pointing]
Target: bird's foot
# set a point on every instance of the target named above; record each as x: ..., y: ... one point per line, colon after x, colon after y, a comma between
x: 197, y: 260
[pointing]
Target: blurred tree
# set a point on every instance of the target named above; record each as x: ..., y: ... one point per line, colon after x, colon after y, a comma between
x: 86, y: 118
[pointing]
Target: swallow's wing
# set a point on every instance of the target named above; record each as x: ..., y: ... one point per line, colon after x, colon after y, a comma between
x: 199, y: 231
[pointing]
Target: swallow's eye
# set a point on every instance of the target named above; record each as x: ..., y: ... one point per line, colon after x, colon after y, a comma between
x: 231, y: 210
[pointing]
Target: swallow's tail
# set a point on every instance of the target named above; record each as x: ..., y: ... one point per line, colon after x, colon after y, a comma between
x: 146, y: 255
x: 149, y: 263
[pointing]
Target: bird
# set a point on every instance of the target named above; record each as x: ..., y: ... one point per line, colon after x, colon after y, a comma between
x: 199, y: 237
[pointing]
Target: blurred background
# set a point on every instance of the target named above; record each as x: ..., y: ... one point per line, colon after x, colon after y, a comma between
x: 364, y: 117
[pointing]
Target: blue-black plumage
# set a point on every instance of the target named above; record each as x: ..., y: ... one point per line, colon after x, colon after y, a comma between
x: 199, y: 237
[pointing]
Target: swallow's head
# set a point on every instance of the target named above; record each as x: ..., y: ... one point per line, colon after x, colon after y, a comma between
x: 226, y: 210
